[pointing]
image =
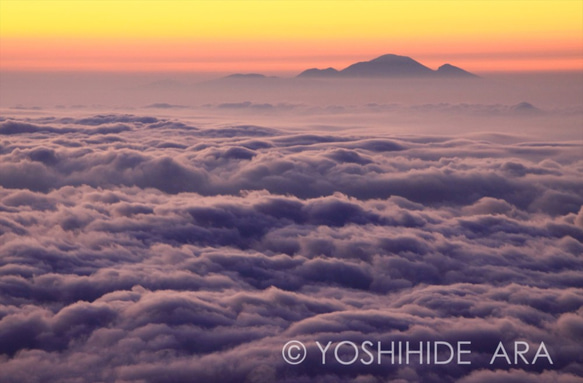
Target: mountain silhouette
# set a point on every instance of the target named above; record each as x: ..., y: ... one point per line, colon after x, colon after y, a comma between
x: 448, y: 70
x: 389, y: 65
x: 314, y: 72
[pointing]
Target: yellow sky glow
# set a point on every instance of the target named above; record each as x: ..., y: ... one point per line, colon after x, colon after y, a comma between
x: 287, y: 35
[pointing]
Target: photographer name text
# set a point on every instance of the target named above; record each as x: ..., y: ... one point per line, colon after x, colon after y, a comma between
x: 422, y: 352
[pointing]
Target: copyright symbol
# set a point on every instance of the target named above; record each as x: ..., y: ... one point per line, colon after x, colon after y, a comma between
x: 294, y: 352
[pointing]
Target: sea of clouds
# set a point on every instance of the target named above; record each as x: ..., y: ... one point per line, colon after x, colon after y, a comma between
x: 143, y: 246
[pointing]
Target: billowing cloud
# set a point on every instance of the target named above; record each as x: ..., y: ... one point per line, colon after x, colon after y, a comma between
x: 149, y: 249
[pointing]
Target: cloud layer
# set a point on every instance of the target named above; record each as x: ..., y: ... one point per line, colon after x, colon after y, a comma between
x: 148, y: 249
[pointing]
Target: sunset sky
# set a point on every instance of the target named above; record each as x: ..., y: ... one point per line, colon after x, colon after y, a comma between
x: 287, y: 36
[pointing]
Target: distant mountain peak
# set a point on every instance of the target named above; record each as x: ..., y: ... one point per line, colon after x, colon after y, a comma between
x: 525, y: 108
x: 392, y: 58
x: 453, y: 71
x: 314, y: 72
x: 390, y: 66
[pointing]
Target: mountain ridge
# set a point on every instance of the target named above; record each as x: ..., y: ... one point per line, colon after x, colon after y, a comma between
x: 390, y: 66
